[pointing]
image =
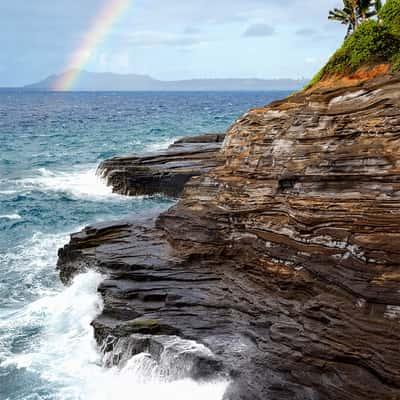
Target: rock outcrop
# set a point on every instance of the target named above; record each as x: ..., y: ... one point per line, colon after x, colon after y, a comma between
x: 283, y: 260
x: 164, y: 172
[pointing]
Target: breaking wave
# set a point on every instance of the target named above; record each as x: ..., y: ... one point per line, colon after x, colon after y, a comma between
x: 10, y: 216
x: 79, y: 184
x: 65, y: 353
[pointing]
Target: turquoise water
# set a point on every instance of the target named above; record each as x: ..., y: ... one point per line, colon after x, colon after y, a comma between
x: 50, y: 146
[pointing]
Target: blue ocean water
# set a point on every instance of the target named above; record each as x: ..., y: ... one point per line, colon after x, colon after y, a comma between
x: 51, y: 144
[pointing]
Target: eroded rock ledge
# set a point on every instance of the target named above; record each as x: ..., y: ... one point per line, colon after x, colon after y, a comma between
x: 164, y: 172
x: 284, y: 260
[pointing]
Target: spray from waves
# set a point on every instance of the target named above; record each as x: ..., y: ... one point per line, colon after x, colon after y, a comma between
x: 7, y: 192
x: 59, y: 356
x: 63, y: 350
x: 66, y: 357
x: 27, y: 270
x: 10, y: 216
x: 159, y: 145
x: 79, y: 184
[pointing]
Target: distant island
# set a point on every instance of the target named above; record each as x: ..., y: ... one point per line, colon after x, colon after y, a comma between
x: 92, y: 81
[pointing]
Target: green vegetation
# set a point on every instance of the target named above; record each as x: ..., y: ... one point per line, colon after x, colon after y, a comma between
x: 390, y: 15
x: 354, y: 12
x: 396, y: 63
x: 347, y: 16
x: 369, y: 42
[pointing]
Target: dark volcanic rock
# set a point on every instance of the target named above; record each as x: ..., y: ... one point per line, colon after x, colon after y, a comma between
x: 150, y: 290
x: 309, y: 199
x: 283, y: 261
x: 164, y: 172
x: 169, y: 356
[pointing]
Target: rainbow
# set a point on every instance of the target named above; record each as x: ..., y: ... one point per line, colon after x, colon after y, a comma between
x: 100, y: 26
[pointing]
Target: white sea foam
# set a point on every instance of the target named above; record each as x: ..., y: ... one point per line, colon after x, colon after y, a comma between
x: 79, y: 183
x: 157, y: 146
x: 58, y: 341
x: 65, y: 354
x: 65, y: 318
x: 7, y: 192
x: 119, y: 385
x: 27, y: 272
x: 33, y: 258
x: 10, y: 216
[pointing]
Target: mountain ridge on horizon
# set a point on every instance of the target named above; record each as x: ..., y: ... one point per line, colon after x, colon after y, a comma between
x: 110, y: 81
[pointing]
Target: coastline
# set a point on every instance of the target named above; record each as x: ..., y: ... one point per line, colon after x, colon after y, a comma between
x: 270, y: 259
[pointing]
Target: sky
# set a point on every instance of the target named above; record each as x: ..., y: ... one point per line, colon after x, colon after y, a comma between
x: 170, y: 40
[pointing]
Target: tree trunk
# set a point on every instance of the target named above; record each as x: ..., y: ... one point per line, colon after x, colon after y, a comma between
x: 355, y: 18
x: 355, y: 13
x: 348, y: 33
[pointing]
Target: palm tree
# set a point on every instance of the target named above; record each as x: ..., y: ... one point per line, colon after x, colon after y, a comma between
x: 353, y: 12
x: 354, y: 5
x: 364, y: 9
x: 378, y: 6
x: 347, y: 16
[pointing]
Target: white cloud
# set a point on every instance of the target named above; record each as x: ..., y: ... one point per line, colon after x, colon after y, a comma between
x: 259, y: 30
x: 119, y: 62
x: 306, y: 32
x: 155, y: 38
x: 204, y: 36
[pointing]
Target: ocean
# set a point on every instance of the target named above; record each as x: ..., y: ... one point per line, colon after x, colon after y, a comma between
x: 51, y: 144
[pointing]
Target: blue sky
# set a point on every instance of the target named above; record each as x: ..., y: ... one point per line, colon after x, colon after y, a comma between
x: 174, y: 39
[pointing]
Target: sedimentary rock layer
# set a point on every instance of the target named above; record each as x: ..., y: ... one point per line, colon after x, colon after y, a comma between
x: 165, y: 172
x: 284, y: 260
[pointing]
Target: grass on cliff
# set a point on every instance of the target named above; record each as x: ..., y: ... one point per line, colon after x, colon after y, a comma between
x: 374, y: 42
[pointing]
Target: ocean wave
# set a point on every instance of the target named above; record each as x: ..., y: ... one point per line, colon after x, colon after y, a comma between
x: 28, y: 269
x: 7, y: 192
x: 161, y: 145
x: 10, y: 216
x: 64, y: 318
x: 79, y: 184
x: 65, y: 353
x: 119, y: 385
x: 57, y: 340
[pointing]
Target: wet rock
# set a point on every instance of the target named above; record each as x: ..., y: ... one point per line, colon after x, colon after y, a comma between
x: 170, y: 357
x: 165, y: 172
x: 283, y: 260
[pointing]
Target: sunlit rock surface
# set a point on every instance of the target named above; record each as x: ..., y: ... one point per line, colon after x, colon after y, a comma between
x: 284, y: 260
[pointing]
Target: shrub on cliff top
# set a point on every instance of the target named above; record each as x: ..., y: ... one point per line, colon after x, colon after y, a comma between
x: 390, y: 15
x: 396, y: 63
x: 372, y: 43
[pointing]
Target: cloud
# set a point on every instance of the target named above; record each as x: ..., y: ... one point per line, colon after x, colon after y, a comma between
x: 202, y: 35
x: 154, y: 39
x: 259, y: 30
x: 306, y: 32
x: 119, y: 61
x: 192, y: 31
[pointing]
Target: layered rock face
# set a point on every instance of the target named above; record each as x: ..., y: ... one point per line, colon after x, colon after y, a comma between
x: 165, y: 172
x: 284, y: 261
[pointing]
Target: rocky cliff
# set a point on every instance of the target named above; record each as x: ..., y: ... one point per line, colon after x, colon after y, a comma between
x: 283, y: 260
x: 164, y: 172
